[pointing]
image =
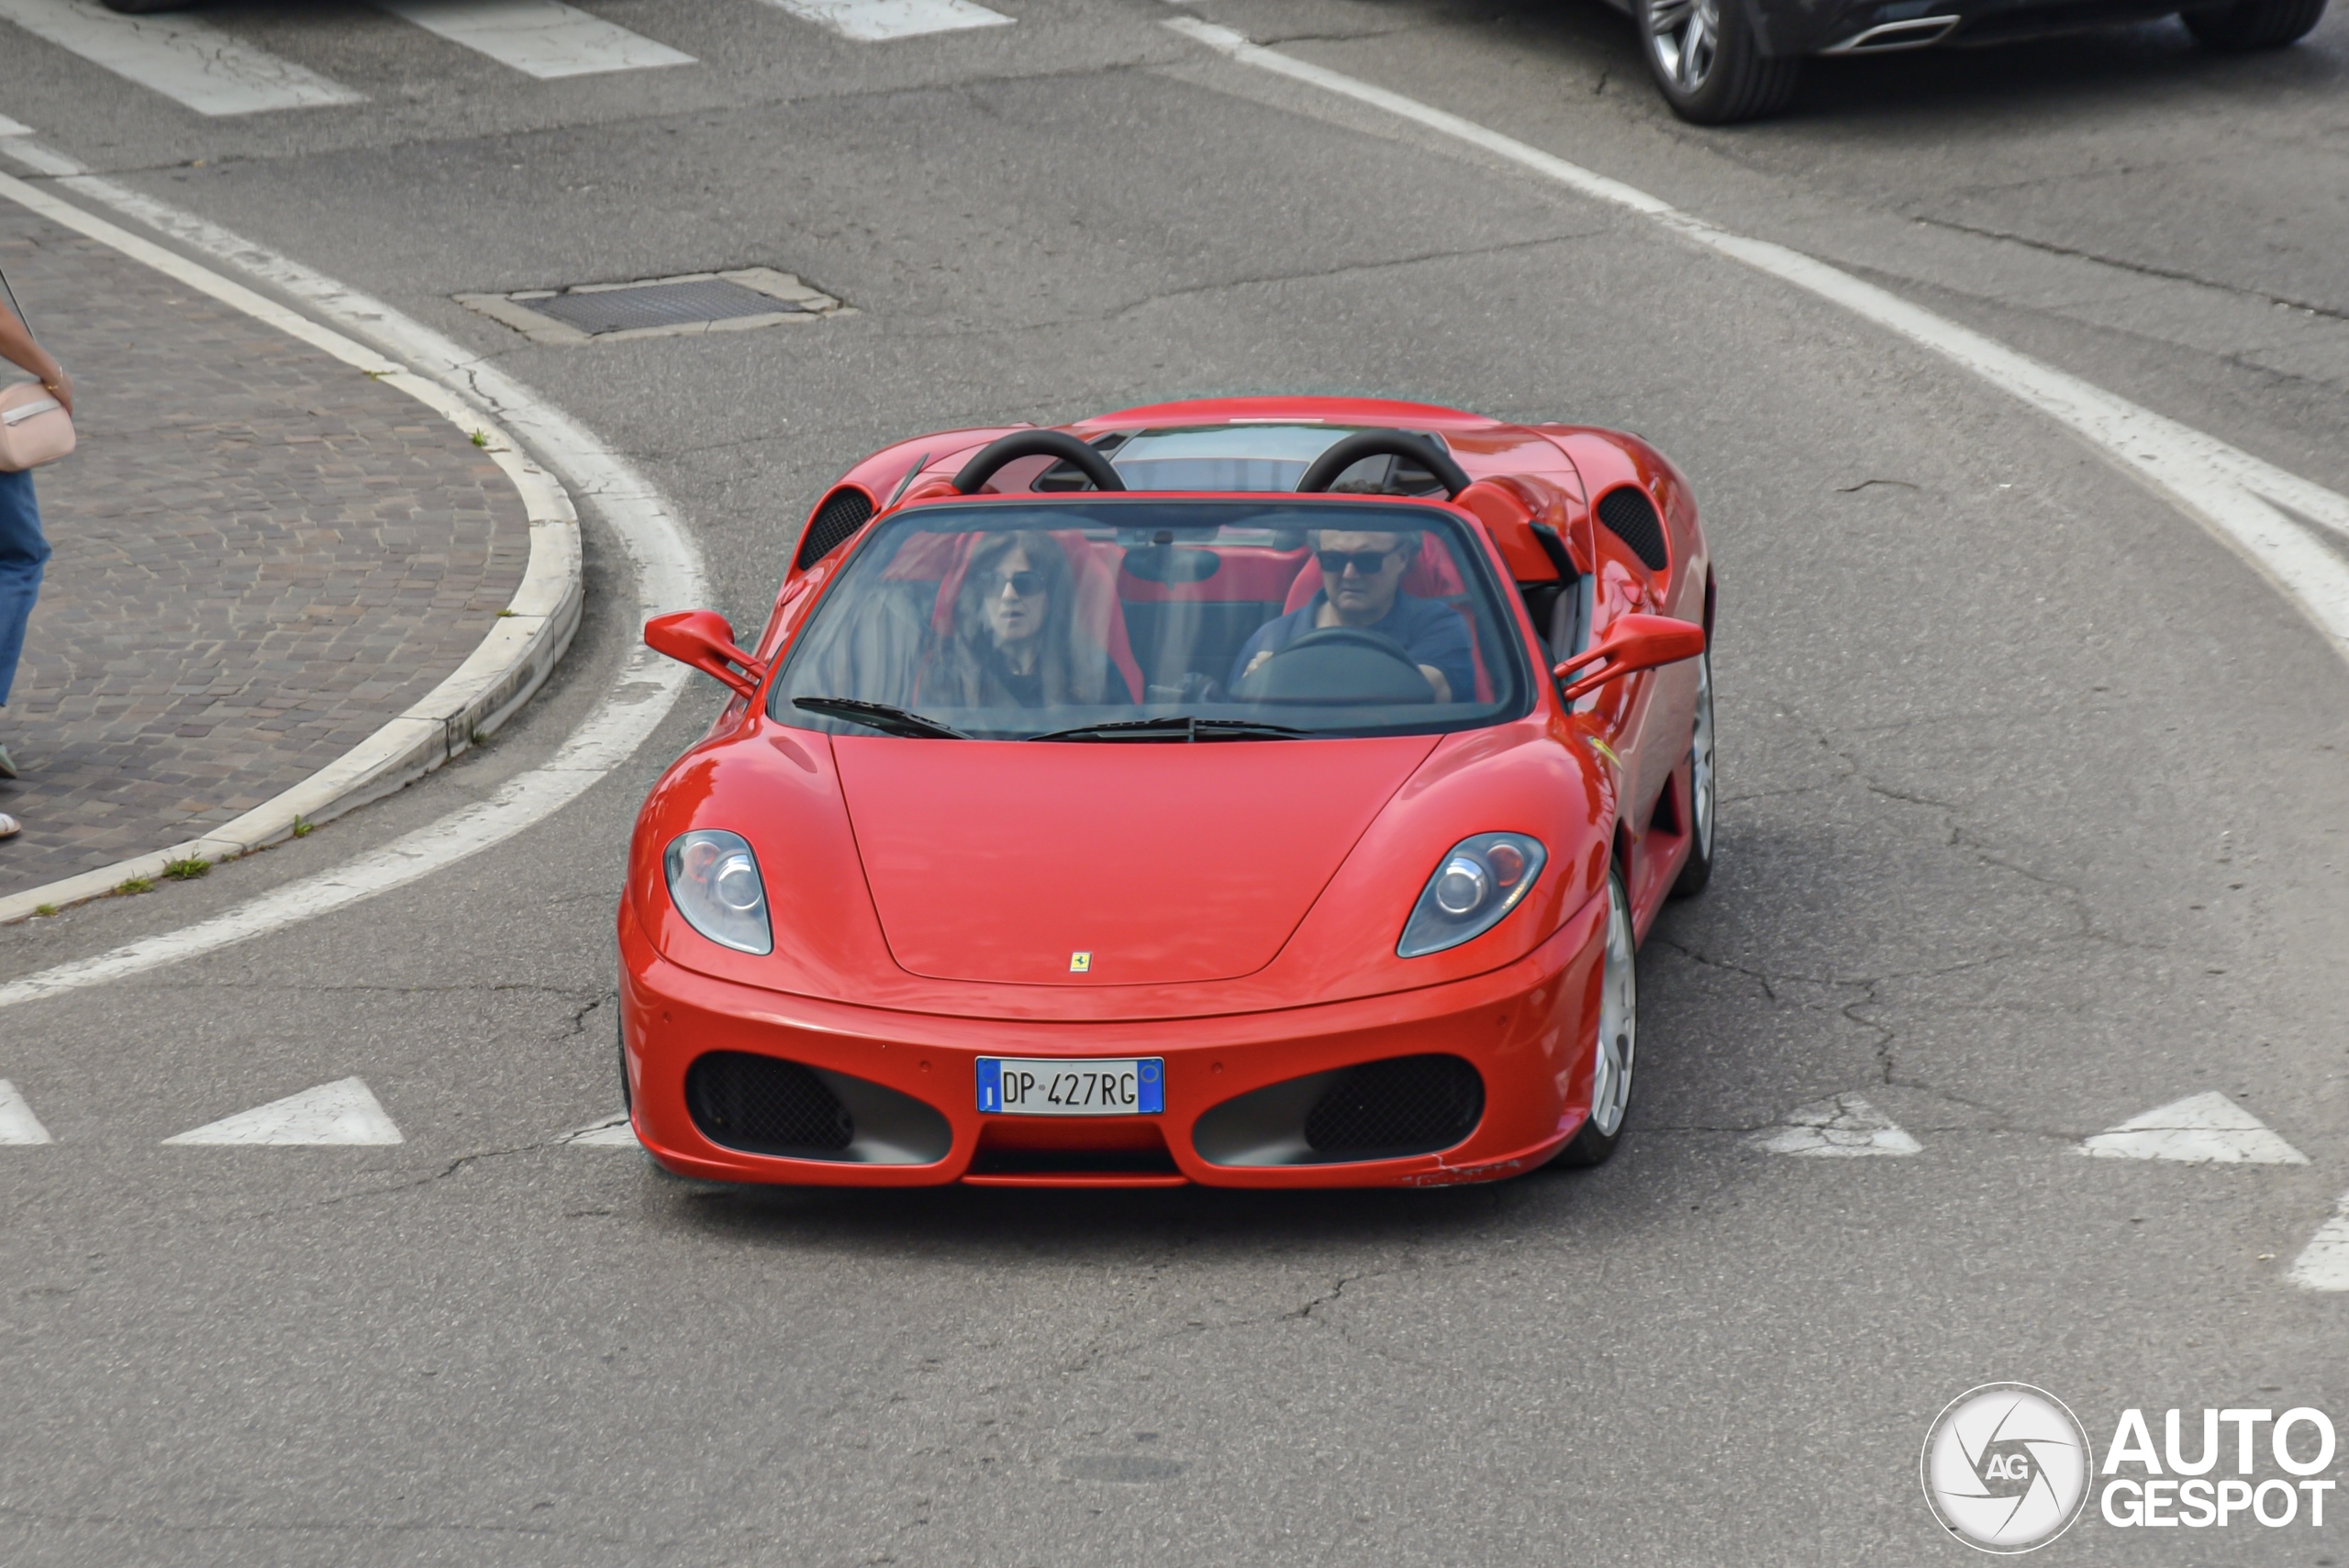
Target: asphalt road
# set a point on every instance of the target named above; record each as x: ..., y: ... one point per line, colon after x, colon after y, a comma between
x: 2033, y: 820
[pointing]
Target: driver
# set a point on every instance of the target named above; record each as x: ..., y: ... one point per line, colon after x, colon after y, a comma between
x: 1361, y: 580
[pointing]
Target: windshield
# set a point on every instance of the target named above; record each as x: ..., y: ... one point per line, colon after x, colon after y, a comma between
x: 1158, y: 619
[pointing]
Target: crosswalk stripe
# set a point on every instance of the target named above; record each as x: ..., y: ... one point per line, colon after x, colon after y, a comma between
x: 345, y: 1111
x: 2201, y: 1129
x: 545, y: 38
x: 877, y: 21
x: 182, y: 57
x: 1843, y: 1128
x: 17, y: 1123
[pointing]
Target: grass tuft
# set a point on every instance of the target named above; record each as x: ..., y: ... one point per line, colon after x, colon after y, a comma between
x: 44, y: 908
x: 134, y: 884
x: 187, y: 870
x: 303, y: 829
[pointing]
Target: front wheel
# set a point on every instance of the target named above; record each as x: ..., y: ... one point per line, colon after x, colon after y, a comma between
x: 1617, y: 1049
x: 2252, y: 24
x: 1709, y: 66
x: 1698, y: 869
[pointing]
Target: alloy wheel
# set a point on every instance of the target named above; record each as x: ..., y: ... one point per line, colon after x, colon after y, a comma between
x: 1700, y: 761
x: 1618, y: 1018
x: 1685, y: 37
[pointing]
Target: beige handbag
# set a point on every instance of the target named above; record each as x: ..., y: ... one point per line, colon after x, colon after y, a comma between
x: 34, y: 426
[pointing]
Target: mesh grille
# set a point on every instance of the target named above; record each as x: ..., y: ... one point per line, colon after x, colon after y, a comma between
x: 843, y: 512
x: 1408, y: 1105
x: 659, y: 305
x: 765, y: 1107
x: 1632, y: 517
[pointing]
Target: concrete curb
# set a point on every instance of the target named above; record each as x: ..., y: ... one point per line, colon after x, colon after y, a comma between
x: 511, y: 662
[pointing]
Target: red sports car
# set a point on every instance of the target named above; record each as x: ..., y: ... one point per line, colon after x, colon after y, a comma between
x: 1263, y: 792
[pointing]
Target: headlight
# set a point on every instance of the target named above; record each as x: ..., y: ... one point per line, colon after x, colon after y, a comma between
x: 714, y: 882
x: 1480, y: 880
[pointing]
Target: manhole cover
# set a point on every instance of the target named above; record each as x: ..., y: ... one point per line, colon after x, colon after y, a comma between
x: 658, y: 308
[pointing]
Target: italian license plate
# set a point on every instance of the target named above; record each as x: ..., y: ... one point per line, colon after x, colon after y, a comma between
x: 1013, y: 1086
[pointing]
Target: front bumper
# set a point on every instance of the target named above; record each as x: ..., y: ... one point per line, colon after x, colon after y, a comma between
x: 1526, y: 1028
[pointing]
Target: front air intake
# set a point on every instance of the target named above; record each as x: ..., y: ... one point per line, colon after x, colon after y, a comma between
x: 761, y: 1104
x: 1630, y: 516
x: 843, y: 512
x: 1377, y: 1110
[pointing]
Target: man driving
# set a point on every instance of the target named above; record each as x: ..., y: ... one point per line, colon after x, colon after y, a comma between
x: 1362, y: 579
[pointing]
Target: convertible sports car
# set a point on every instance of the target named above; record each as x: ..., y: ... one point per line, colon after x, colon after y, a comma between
x: 1264, y: 792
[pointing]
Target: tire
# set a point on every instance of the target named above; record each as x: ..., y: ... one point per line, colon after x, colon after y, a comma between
x: 2252, y: 24
x: 1708, y: 63
x: 1613, y: 1060
x: 1704, y: 784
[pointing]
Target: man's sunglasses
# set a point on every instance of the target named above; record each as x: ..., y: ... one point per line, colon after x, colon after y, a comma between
x: 1366, y: 562
x: 1027, y: 585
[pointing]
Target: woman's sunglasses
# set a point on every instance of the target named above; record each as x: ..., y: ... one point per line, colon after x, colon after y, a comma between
x: 1366, y: 562
x: 1027, y: 585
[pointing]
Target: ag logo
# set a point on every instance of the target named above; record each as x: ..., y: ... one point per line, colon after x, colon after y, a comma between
x: 2006, y: 1467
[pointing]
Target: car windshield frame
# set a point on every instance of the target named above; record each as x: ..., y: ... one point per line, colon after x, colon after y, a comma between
x: 811, y: 665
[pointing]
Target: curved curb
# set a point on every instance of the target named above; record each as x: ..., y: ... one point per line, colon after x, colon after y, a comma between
x: 531, y: 634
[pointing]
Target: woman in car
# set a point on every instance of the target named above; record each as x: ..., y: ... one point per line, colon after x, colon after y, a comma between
x: 1014, y: 642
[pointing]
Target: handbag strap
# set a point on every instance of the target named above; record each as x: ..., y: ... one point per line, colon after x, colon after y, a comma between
x: 18, y: 309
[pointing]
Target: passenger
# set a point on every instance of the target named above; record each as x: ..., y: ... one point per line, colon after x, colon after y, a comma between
x: 1014, y: 642
x: 1362, y: 579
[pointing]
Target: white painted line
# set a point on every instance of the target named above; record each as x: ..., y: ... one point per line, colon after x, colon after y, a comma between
x: 183, y: 57
x: 344, y: 1111
x: 2323, y: 1263
x: 1846, y: 1127
x: 877, y: 21
x: 612, y: 1132
x: 2201, y: 1129
x: 666, y: 564
x: 13, y: 128
x: 510, y: 662
x: 17, y: 1123
x: 2261, y: 512
x: 545, y: 38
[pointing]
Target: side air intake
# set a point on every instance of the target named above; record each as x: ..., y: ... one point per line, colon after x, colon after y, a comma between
x: 1630, y: 516
x: 762, y: 1105
x: 844, y: 511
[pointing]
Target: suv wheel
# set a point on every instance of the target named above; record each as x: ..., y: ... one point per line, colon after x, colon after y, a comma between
x: 2252, y: 24
x: 1705, y: 59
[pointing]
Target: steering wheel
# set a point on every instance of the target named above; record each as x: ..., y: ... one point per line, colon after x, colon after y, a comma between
x: 1324, y: 470
x: 1037, y: 443
x: 1338, y: 664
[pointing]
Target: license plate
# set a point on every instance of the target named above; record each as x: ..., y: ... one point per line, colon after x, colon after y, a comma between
x: 1013, y: 1086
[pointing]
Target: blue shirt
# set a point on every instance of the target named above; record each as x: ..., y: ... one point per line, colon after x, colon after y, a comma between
x: 1430, y: 630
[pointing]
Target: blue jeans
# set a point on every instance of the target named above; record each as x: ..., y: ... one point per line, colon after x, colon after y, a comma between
x: 23, y: 553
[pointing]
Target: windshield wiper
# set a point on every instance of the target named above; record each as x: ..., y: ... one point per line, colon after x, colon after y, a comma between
x: 1175, y: 726
x: 880, y: 716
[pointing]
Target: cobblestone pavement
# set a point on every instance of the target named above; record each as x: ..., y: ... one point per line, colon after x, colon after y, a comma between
x: 261, y: 556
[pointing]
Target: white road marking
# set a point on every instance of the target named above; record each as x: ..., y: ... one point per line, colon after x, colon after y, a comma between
x: 17, y: 1123
x: 666, y: 563
x: 612, y: 1132
x: 877, y: 21
x: 545, y: 38
x: 2201, y: 1129
x: 2323, y: 1263
x: 2261, y: 512
x: 183, y: 57
x: 13, y: 128
x: 345, y: 1111
x: 1842, y: 1128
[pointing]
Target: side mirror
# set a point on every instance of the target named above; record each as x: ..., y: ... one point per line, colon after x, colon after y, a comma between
x: 703, y: 639
x: 1633, y: 642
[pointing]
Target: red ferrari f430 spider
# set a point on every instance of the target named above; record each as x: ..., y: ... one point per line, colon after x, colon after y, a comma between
x: 1264, y: 792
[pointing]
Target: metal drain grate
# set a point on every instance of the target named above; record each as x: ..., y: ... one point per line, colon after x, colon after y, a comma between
x: 657, y: 308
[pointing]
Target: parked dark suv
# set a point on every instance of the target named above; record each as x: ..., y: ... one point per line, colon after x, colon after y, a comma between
x: 1719, y: 61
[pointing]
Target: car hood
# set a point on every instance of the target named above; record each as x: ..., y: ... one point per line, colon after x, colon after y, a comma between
x: 1109, y: 864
